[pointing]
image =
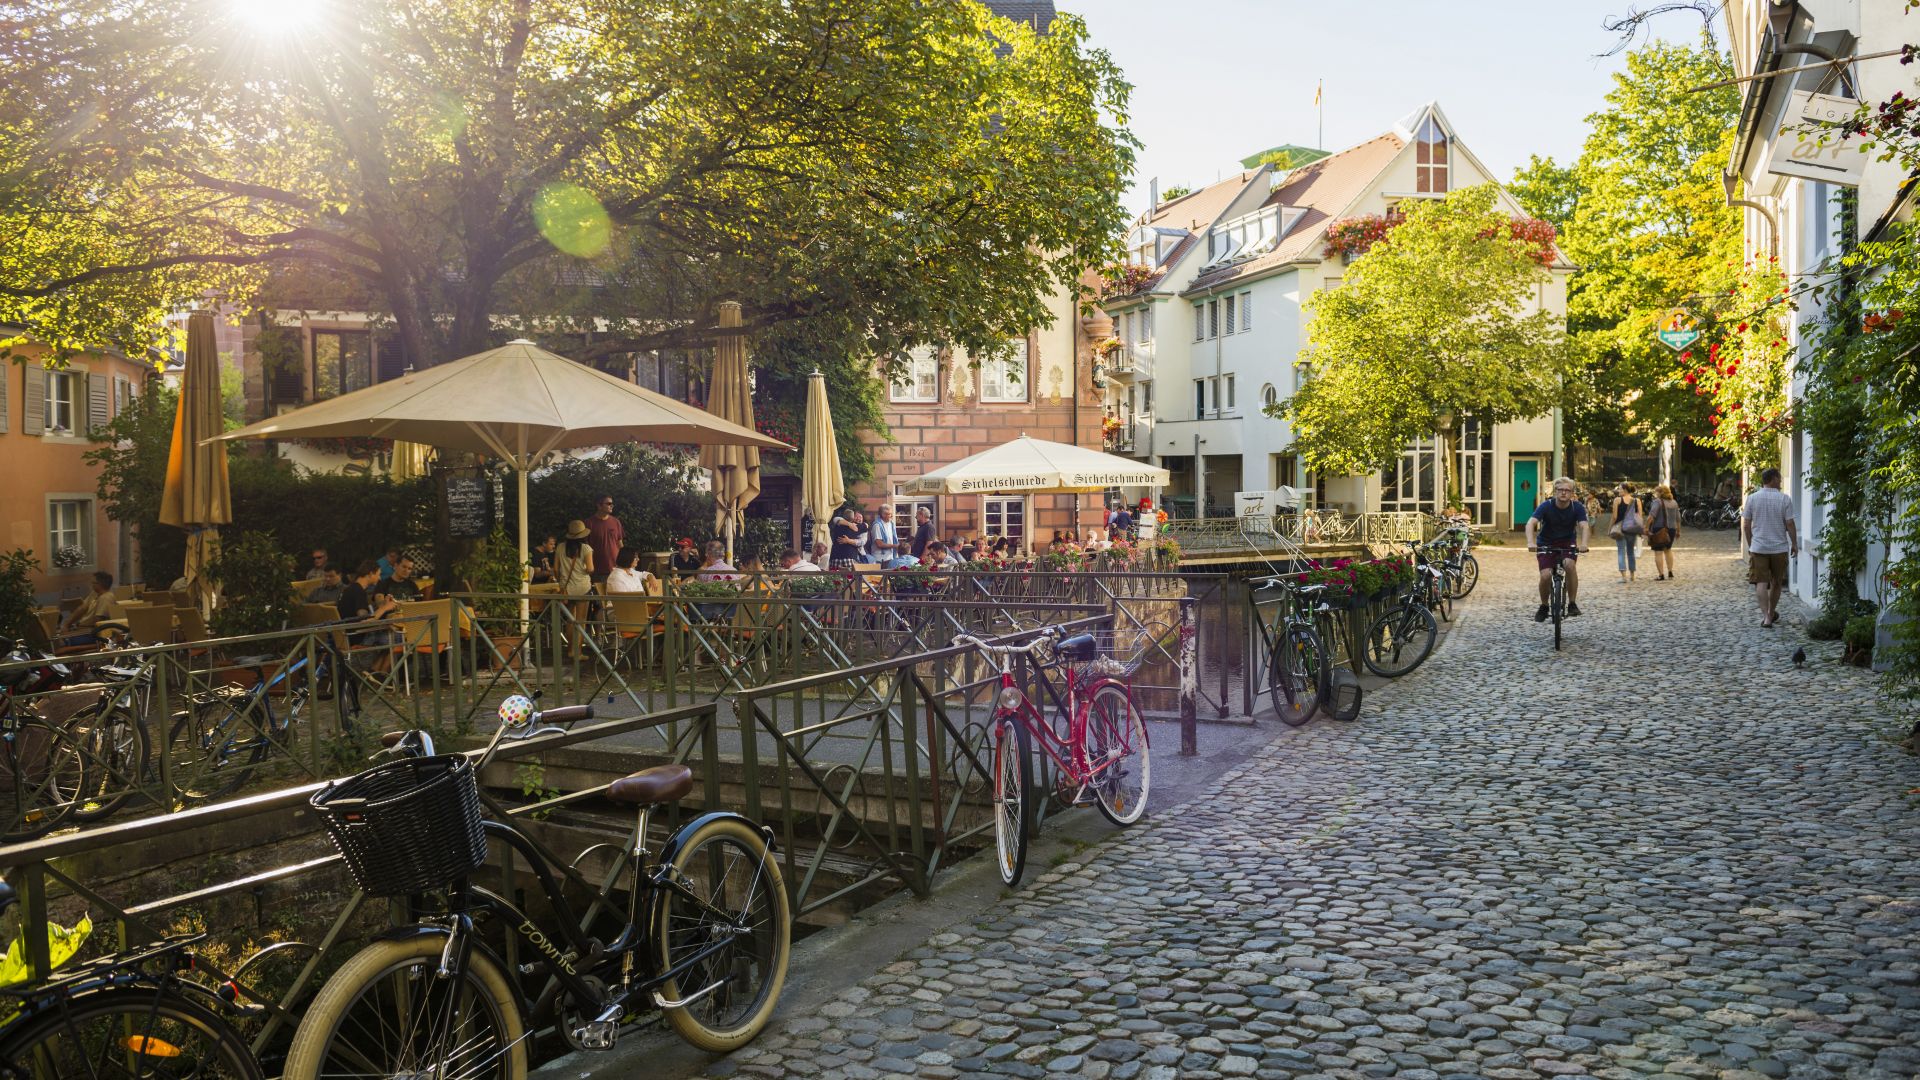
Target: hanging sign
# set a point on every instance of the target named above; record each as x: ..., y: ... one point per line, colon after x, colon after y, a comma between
x: 1807, y: 145
x: 1678, y: 329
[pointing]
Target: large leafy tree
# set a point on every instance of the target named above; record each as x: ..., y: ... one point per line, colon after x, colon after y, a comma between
x: 1432, y: 323
x: 871, y: 170
x: 1644, y: 216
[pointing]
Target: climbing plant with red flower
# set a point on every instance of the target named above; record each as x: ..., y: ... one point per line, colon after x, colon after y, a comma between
x: 1745, y: 375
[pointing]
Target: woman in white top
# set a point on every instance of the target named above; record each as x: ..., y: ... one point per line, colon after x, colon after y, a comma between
x: 623, y: 578
x: 573, y: 572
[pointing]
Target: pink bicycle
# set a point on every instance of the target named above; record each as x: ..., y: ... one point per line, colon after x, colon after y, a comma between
x: 1097, y: 742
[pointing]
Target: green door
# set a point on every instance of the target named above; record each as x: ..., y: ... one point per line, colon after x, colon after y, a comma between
x: 1526, y: 490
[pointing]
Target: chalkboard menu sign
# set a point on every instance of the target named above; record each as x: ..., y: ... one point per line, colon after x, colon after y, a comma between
x: 469, y: 511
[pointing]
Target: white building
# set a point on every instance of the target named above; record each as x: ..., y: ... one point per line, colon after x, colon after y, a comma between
x: 1212, y: 337
x: 1793, y: 209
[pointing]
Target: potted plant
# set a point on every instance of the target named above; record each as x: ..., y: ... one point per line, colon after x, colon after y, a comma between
x: 16, y: 595
x: 256, y: 593
x: 1166, y: 554
x: 721, y: 593
x: 493, y: 566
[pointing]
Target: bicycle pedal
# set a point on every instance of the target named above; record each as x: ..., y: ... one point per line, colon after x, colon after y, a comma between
x: 597, y: 1034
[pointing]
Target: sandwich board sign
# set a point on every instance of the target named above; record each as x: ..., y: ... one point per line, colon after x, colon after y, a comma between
x: 1678, y: 329
x: 1808, y: 146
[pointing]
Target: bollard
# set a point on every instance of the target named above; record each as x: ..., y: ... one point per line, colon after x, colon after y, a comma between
x: 1189, y: 680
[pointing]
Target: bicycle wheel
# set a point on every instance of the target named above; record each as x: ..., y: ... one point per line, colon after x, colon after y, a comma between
x: 131, y: 1031
x: 386, y: 1013
x: 116, y: 762
x: 1012, y: 781
x: 41, y: 775
x: 743, y: 904
x: 1399, y: 640
x: 1559, y: 610
x: 1295, y: 675
x: 1440, y: 596
x: 1117, y: 754
x: 214, y: 747
x: 1466, y: 577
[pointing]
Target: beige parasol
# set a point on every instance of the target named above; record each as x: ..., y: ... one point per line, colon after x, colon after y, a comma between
x: 196, y: 497
x: 1028, y: 464
x: 736, y: 468
x: 518, y: 402
x: 822, y: 489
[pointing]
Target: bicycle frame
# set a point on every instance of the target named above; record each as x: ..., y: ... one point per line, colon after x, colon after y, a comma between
x: 1070, y: 757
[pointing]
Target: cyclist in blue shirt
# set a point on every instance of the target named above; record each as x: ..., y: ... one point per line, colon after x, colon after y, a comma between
x: 1558, y: 532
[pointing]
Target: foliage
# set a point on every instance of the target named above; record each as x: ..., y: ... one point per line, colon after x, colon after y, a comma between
x: 131, y: 459
x: 256, y: 590
x: 654, y: 494
x: 761, y: 538
x: 1431, y: 322
x: 1745, y: 376
x: 811, y: 585
x: 1859, y: 633
x: 1826, y: 626
x: 1643, y: 214
x: 353, y: 517
x: 1355, y: 235
x: 1176, y: 191
x: 492, y: 566
x: 1337, y: 575
x: 350, y: 446
x: 1125, y: 279
x: 895, y: 168
x: 16, y: 594
x: 783, y: 359
x: 705, y: 590
x: 69, y: 557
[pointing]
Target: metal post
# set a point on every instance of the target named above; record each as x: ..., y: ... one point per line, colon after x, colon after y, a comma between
x: 1189, y: 681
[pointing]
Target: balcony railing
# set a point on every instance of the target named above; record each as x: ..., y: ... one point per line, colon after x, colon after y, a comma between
x: 1133, y: 360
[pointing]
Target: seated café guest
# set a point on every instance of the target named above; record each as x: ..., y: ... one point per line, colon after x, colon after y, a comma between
x: 750, y: 566
x: 330, y: 587
x: 968, y: 553
x: 791, y: 560
x: 99, y: 611
x: 624, y: 578
x: 685, y: 559
x: 389, y: 562
x: 818, y: 556
x: 1001, y: 547
x: 400, y: 585
x: 717, y: 568
x: 320, y: 565
x: 356, y: 603
x: 540, y: 560
x: 1096, y: 541
x: 1059, y: 540
x: 939, y: 557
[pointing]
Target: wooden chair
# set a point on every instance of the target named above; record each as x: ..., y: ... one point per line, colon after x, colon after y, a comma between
x: 634, y: 617
x: 150, y: 624
x: 180, y: 598
x: 305, y: 588
x: 315, y: 614
x: 123, y: 592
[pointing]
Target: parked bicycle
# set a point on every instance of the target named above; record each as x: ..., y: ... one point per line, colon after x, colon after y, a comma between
x: 1401, y: 638
x: 1307, y: 646
x: 129, y: 1014
x: 40, y: 761
x: 1097, y: 740
x: 218, y: 741
x: 703, y: 934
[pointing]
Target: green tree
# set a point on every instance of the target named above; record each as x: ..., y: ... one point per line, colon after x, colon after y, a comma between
x: 1643, y: 215
x: 1430, y: 325
x: 891, y: 169
x: 131, y: 455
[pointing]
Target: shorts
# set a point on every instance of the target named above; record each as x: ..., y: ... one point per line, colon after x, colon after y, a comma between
x: 1768, y: 569
x: 1547, y: 557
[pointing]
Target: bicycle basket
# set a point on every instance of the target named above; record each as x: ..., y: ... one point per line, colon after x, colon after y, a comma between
x: 408, y: 826
x: 1121, y: 653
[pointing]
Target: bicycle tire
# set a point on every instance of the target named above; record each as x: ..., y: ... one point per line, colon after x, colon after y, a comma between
x: 203, y: 771
x: 1116, y: 733
x: 76, y: 1042
x: 1012, y: 795
x: 681, y: 928
x: 118, y: 762
x: 37, y: 799
x: 1466, y: 578
x: 1558, y: 609
x: 1296, y: 675
x: 1399, y: 640
x: 335, y: 1028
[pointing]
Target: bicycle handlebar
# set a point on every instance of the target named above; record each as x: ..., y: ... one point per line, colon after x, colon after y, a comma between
x: 1046, y: 637
x: 565, y: 714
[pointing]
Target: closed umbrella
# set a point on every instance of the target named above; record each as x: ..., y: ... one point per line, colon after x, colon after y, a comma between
x: 736, y: 468
x: 518, y: 402
x: 196, y: 497
x: 822, y: 489
x: 409, y: 460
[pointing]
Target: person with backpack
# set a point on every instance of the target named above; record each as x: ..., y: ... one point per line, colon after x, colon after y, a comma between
x: 1628, y: 524
x: 1663, y: 528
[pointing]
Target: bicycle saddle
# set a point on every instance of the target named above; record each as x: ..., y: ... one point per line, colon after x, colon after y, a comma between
x: 650, y: 787
x: 1077, y: 647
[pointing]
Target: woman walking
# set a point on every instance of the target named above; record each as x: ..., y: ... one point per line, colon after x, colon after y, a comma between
x: 573, y: 571
x: 1628, y: 524
x: 1663, y: 528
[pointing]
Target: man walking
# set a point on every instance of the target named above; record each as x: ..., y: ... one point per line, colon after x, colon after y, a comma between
x: 1558, y: 531
x: 1768, y: 531
x: 606, y: 536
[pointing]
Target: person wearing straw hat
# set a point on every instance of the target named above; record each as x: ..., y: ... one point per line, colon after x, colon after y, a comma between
x: 573, y: 571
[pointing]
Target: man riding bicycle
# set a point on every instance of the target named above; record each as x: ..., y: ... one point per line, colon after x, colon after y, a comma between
x: 1558, y: 532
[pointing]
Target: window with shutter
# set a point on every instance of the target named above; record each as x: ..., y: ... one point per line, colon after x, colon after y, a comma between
x: 1230, y: 315
x: 98, y: 389
x: 33, y: 418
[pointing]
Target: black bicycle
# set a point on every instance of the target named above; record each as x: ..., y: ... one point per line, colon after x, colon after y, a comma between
x: 216, y: 743
x: 1557, y: 594
x: 1402, y: 637
x: 127, y: 1015
x: 703, y: 934
x: 1306, y: 649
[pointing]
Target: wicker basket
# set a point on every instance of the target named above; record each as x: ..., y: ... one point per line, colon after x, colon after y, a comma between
x: 408, y: 826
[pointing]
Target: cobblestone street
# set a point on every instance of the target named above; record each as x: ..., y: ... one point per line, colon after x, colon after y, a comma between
x: 1664, y: 852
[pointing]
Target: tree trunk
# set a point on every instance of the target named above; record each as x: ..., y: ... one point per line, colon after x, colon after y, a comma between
x: 1442, y: 459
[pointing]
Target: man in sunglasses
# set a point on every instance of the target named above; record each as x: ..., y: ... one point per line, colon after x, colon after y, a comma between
x: 320, y: 566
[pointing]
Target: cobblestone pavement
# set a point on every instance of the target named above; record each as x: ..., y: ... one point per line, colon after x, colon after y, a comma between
x: 1663, y: 852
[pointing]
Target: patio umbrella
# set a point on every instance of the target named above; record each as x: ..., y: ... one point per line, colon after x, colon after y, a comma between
x: 1037, y: 465
x: 736, y: 467
x: 822, y: 489
x: 517, y: 402
x: 196, y: 497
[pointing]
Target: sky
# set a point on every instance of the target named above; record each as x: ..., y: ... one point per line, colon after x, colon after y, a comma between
x: 1217, y: 80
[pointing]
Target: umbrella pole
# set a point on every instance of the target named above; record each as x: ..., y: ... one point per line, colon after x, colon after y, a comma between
x: 523, y: 544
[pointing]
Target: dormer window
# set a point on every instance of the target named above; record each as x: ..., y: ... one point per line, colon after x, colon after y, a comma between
x: 1430, y: 157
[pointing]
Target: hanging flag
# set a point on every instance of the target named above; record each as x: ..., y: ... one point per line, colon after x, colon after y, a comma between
x: 1316, y: 90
